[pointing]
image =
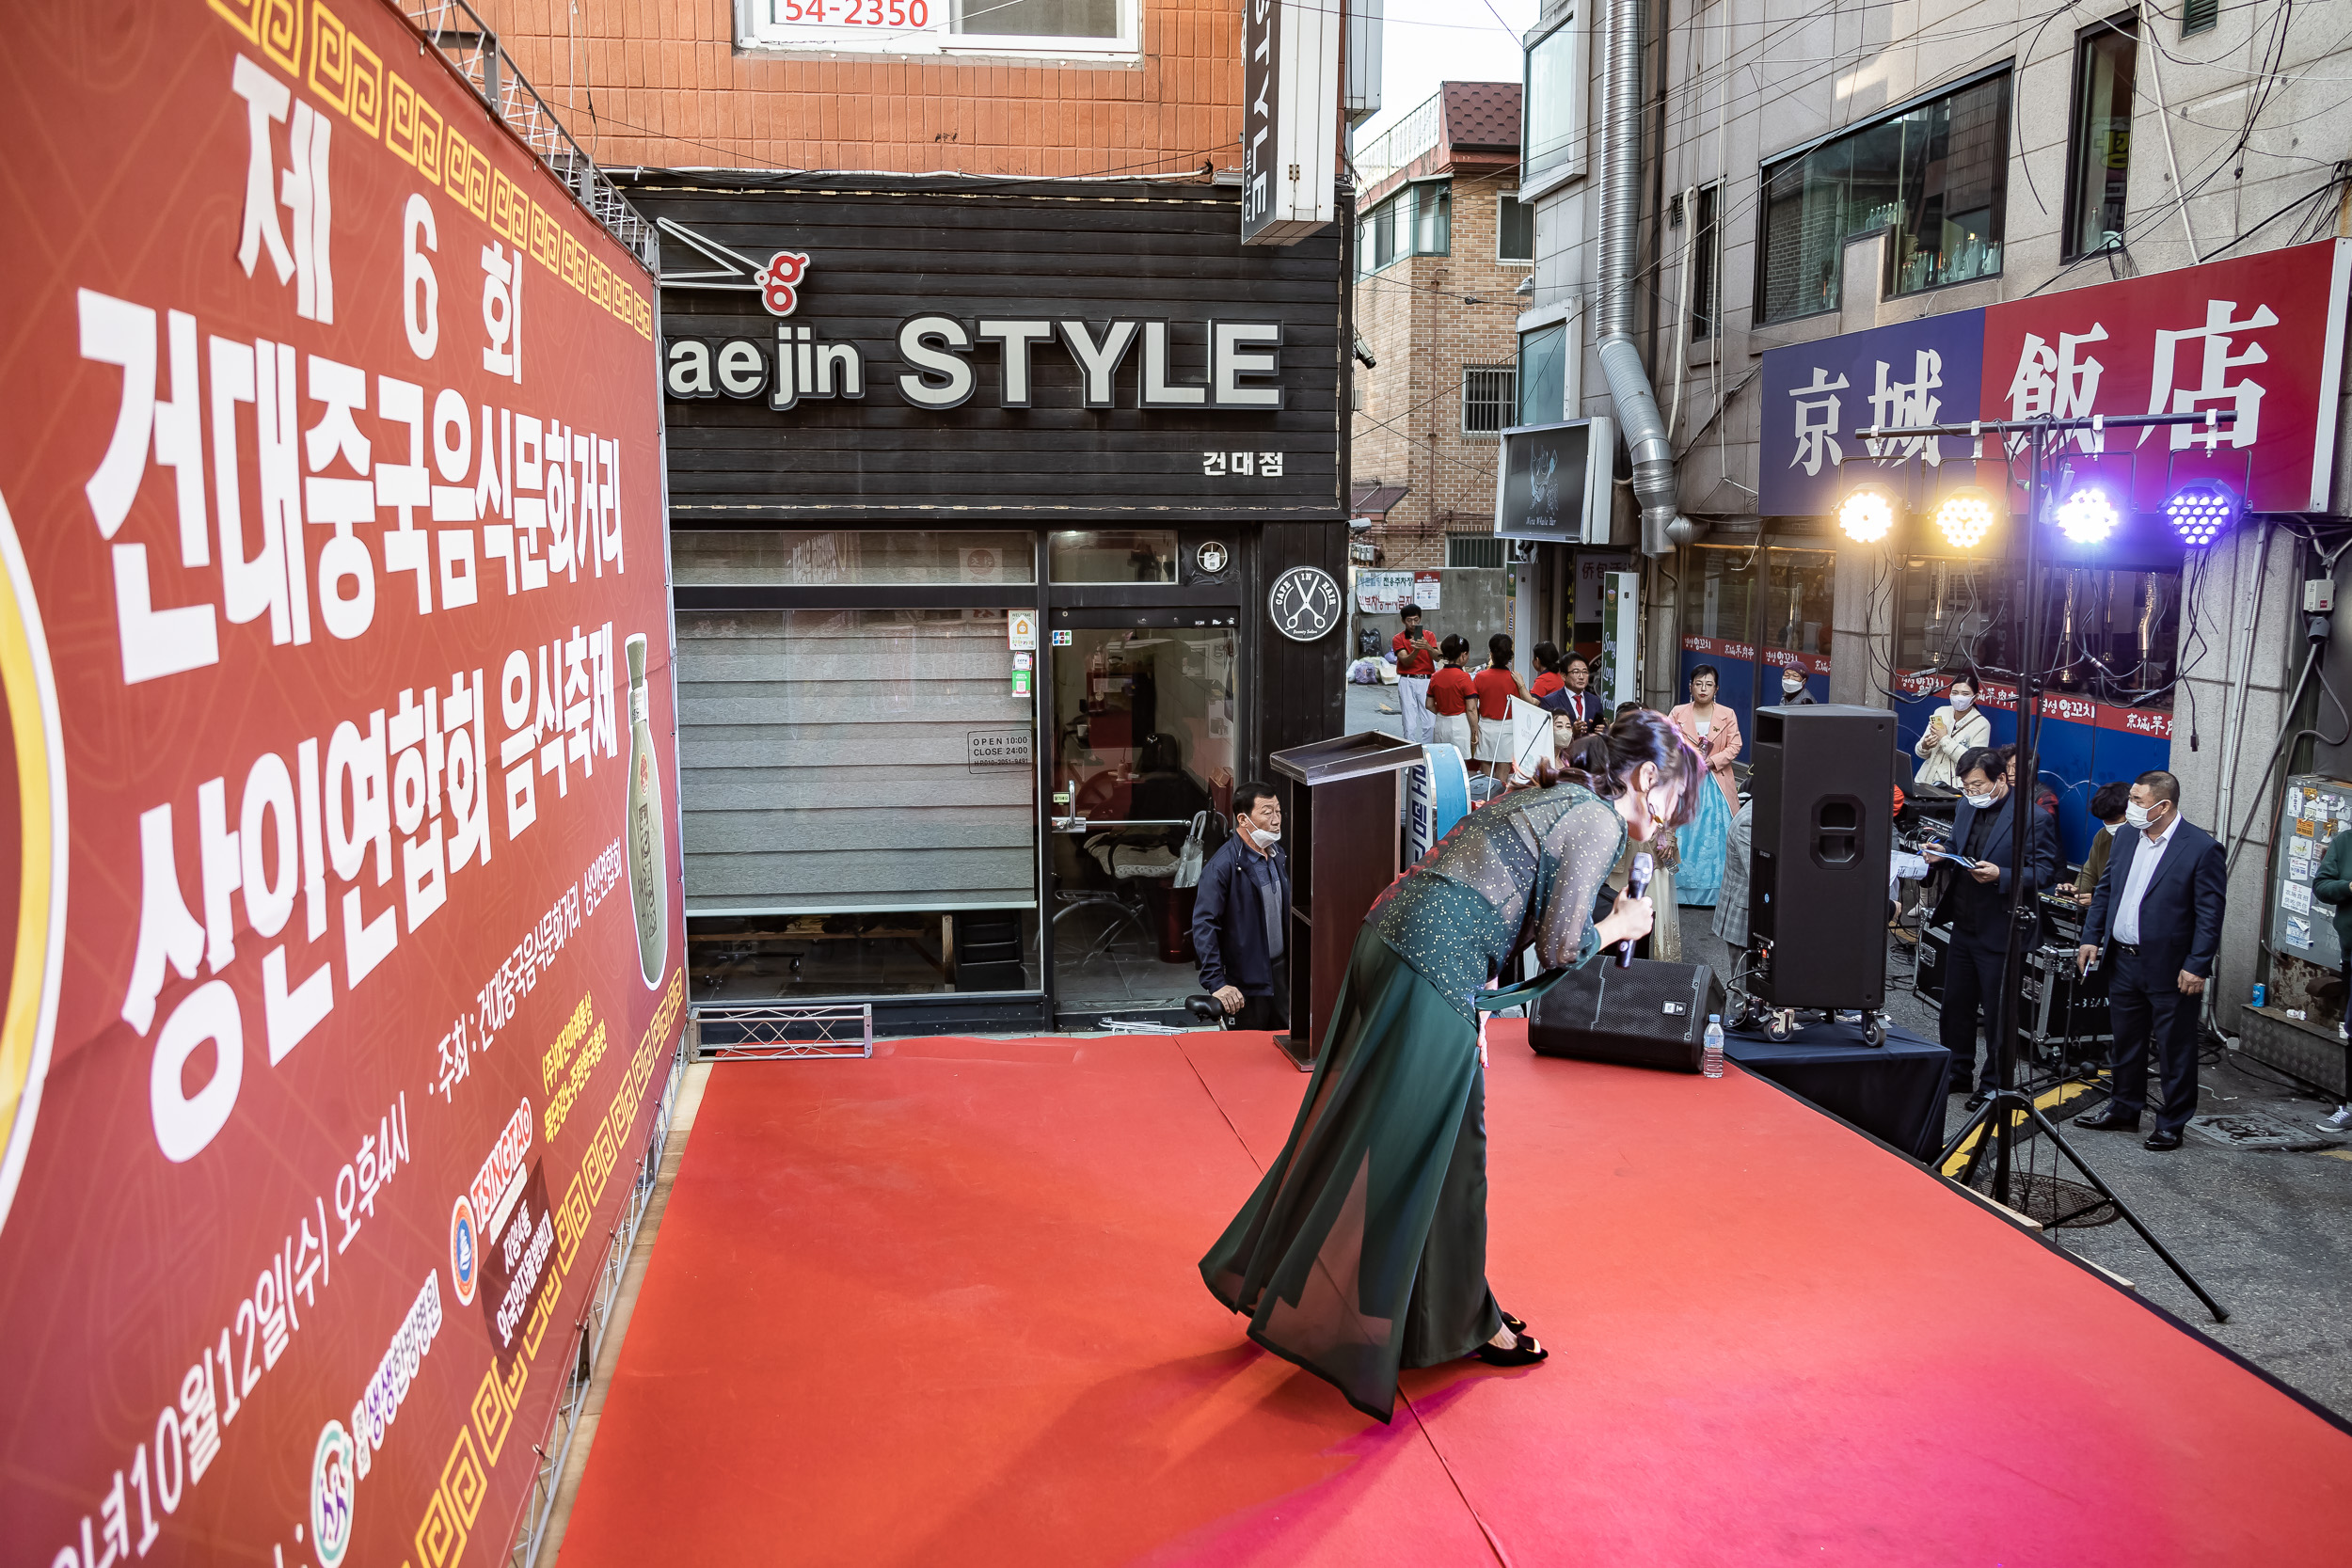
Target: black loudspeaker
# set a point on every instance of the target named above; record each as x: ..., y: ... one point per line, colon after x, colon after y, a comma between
x: 1649, y: 1015
x: 1823, y: 784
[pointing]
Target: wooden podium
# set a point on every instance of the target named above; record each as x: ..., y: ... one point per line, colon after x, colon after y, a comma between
x: 1341, y: 818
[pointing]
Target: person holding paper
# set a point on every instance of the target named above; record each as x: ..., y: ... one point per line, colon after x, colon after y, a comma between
x: 1976, y: 896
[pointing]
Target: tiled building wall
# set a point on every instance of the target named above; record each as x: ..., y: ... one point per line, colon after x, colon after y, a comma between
x: 1414, y: 316
x: 662, y: 83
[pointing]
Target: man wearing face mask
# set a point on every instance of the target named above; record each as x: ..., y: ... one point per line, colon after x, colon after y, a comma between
x: 1976, y: 900
x: 2155, y: 923
x: 1241, y: 916
x: 1792, y: 688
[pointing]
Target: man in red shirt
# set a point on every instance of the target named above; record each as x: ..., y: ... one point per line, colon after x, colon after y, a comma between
x: 1416, y: 654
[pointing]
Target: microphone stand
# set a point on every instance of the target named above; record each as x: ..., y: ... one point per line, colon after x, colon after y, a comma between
x: 1999, y: 1121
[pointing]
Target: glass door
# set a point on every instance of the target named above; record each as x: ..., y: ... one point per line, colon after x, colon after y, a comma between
x: 1142, y: 764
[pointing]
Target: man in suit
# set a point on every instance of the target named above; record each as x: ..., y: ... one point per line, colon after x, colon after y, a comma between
x: 1976, y: 900
x: 1241, y: 915
x: 2155, y: 921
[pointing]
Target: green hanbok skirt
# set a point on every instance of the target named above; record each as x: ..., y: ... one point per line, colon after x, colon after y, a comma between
x: 1364, y: 1248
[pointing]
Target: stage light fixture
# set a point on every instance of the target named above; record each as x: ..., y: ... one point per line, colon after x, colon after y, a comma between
x: 2199, y: 510
x: 2088, y: 516
x: 1868, y: 514
x: 1966, y: 515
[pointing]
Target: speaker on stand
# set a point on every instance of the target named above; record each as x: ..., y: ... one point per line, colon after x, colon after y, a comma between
x: 1824, y: 787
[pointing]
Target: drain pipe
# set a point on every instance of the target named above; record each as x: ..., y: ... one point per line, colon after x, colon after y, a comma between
x: 1620, y: 228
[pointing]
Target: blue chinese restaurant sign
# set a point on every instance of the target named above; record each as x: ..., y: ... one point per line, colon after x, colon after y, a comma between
x: 1819, y: 397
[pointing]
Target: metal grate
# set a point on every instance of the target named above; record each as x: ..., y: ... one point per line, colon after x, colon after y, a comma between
x: 1474, y: 550
x: 769, y: 1031
x: 458, y: 32
x: 1490, y: 395
x: 2050, y: 1201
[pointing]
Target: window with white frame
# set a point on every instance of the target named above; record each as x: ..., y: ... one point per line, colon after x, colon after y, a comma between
x: 1552, y: 138
x: 1515, y: 230
x: 1090, y: 29
x: 1478, y: 551
x: 1489, y: 399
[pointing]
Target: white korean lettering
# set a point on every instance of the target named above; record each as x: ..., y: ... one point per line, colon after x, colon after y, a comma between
x: 153, y: 642
x: 266, y: 99
x: 408, y: 485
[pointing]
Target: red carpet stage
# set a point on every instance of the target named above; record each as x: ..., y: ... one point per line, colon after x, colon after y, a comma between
x: 940, y: 1308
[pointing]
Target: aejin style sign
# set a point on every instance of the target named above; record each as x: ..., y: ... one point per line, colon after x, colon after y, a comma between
x: 939, y: 352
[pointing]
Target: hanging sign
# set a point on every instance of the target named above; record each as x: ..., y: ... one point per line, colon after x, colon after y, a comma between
x: 339, y: 791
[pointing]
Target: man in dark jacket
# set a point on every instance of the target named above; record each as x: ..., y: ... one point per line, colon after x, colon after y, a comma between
x: 1241, y: 915
x: 2155, y: 921
x: 1977, y: 901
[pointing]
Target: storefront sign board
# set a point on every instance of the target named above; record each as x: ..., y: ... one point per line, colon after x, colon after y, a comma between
x: 2259, y: 336
x: 927, y: 348
x: 340, y: 786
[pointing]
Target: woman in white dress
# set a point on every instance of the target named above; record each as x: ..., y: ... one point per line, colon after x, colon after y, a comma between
x: 1953, y: 731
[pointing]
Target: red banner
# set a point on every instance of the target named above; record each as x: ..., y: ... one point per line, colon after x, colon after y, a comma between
x: 2259, y: 337
x: 340, y: 789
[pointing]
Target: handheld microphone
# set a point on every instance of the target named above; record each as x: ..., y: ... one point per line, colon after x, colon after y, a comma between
x: 1639, y: 884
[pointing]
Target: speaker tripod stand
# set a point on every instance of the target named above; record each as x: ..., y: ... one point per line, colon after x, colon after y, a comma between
x: 1996, y: 1122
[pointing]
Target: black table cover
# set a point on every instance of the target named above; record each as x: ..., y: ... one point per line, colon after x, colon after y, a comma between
x: 1894, y: 1091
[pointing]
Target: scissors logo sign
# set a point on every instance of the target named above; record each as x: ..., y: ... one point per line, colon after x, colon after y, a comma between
x: 779, y: 282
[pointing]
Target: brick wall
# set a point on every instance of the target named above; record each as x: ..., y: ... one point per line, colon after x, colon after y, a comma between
x: 661, y: 83
x: 1413, y: 318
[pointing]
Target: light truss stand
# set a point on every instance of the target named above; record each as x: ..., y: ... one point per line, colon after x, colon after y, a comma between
x: 2000, y: 1116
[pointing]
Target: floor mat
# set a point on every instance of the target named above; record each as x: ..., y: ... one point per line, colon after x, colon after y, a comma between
x: 942, y: 1306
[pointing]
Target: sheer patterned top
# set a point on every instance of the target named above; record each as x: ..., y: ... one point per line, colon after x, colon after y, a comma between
x: 1518, y: 874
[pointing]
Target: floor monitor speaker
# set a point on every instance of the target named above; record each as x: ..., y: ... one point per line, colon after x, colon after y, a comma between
x: 1651, y: 1014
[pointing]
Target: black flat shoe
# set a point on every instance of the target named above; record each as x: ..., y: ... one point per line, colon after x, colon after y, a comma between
x: 2160, y: 1141
x: 1517, y: 1325
x: 1525, y: 1354
x: 2108, y: 1119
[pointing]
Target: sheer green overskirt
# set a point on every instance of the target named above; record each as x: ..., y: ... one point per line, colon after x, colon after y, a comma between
x: 1364, y: 1247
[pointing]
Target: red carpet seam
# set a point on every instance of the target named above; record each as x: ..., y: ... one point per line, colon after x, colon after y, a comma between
x: 1427, y: 1436
x: 1493, y: 1544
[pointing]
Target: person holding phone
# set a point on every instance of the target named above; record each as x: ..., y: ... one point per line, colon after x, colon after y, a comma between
x: 1953, y: 731
x: 1976, y: 896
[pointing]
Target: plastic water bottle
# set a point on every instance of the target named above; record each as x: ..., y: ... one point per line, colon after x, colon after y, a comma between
x: 1714, y: 1059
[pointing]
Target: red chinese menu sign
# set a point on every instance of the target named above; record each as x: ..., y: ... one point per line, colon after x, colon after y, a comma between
x: 338, y: 781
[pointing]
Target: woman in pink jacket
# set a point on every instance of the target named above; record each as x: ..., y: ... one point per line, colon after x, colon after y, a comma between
x: 1714, y: 731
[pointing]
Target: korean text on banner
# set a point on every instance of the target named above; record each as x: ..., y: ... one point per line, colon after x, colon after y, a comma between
x: 345, y: 943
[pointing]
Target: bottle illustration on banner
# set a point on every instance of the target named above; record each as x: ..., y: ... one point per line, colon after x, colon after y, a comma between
x: 647, y: 901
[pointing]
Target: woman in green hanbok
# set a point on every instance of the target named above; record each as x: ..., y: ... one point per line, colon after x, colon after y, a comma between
x: 1364, y: 1247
